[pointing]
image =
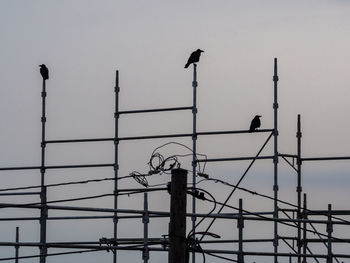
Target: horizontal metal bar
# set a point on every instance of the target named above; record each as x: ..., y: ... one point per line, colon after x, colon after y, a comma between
x: 80, y: 140
x: 78, y: 217
x: 325, y: 158
x: 233, y: 132
x: 155, y: 110
x: 324, y: 212
x: 321, y: 240
x: 287, y: 209
x: 236, y: 241
x: 79, y: 166
x: 212, y: 251
x: 288, y: 155
x: 20, y: 193
x: 146, y: 137
x: 233, y: 159
x: 58, y: 166
x: 155, y: 136
x: 161, y: 249
x: 126, y: 211
x: 19, y: 218
x: 19, y: 168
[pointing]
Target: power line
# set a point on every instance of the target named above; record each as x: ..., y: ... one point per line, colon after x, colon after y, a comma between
x: 265, y: 196
x: 51, y: 254
x: 80, y: 198
x: 273, y: 219
x: 239, y: 181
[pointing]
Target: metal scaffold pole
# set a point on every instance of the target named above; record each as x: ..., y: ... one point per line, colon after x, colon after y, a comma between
x: 299, y: 188
x: 240, y: 226
x: 43, y: 197
x: 17, y: 247
x: 304, y: 229
x: 275, y: 161
x: 194, y: 149
x: 116, y: 164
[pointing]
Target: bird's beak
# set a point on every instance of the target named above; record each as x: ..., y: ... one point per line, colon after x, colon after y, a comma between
x: 202, y: 50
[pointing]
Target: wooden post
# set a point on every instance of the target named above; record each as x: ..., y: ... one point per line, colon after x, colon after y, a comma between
x: 177, y: 228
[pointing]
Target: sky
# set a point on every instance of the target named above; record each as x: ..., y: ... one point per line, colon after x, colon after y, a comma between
x: 83, y: 43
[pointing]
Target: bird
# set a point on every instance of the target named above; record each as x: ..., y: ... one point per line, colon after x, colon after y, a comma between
x: 255, y: 123
x: 194, y: 58
x: 44, y: 71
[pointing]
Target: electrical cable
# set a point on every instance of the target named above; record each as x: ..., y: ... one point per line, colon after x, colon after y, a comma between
x: 76, y: 199
x: 51, y: 254
x: 280, y: 222
x: 67, y: 183
x: 154, y: 153
x: 239, y: 181
x: 265, y: 196
x: 191, y: 233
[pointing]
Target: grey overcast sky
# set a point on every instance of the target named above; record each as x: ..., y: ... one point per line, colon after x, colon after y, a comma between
x: 83, y: 42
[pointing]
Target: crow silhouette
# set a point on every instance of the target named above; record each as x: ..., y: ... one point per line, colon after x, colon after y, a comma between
x: 194, y: 58
x: 44, y: 71
x: 255, y: 123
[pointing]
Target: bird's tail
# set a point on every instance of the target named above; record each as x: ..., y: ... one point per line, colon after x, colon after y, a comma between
x: 187, y: 64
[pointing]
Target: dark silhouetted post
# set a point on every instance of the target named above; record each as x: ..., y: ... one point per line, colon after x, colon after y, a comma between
x: 194, y: 149
x: 177, y: 228
x: 305, y: 229
x: 17, y: 246
x: 145, y: 221
x: 275, y: 161
x: 240, y: 225
x: 329, y: 232
x: 116, y: 165
x: 43, y: 211
x: 299, y: 189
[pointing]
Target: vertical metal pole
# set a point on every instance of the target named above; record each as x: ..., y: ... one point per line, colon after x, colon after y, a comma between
x: 304, y: 229
x: 299, y: 188
x: 329, y: 232
x: 177, y: 229
x: 240, y: 225
x: 194, y: 149
x: 17, y: 246
x: 43, y: 210
x: 275, y: 162
x: 116, y: 165
x: 145, y: 221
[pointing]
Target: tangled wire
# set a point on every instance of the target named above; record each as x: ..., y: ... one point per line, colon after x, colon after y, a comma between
x: 158, y: 164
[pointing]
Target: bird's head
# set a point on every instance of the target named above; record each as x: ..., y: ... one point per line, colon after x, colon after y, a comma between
x: 258, y: 116
x: 199, y: 50
x: 42, y: 65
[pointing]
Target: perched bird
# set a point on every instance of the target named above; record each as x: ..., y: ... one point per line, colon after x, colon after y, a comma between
x: 194, y: 58
x: 44, y: 71
x: 255, y: 123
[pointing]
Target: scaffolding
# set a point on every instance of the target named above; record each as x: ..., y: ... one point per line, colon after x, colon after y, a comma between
x: 303, y: 222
